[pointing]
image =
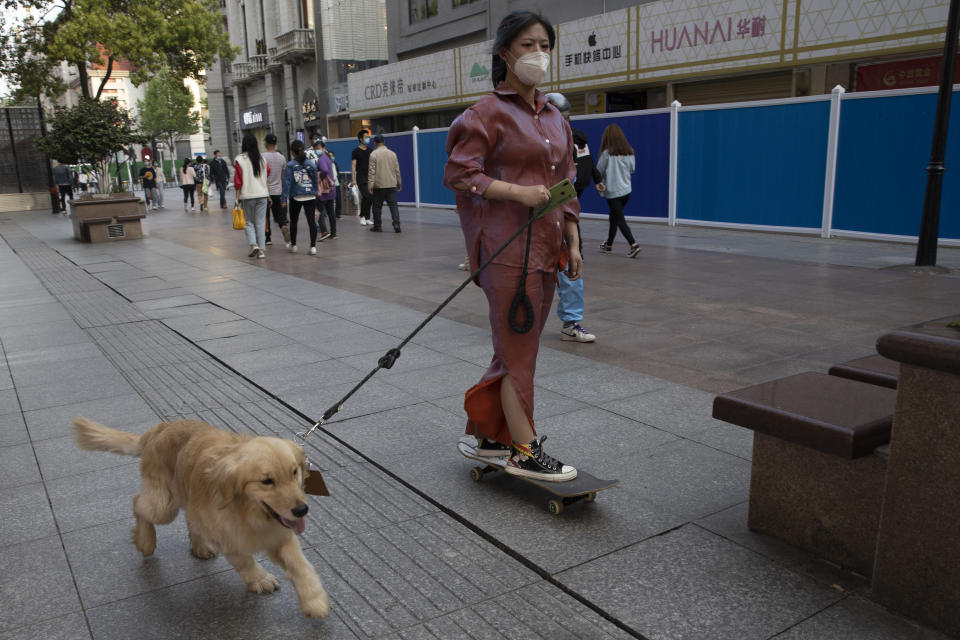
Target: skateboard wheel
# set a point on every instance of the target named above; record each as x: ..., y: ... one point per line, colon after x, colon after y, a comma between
x: 590, y: 497
x: 555, y: 507
x: 476, y: 474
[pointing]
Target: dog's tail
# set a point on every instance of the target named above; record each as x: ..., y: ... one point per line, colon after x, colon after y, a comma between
x: 94, y: 436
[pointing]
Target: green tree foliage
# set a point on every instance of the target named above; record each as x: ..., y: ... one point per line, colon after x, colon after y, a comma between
x: 166, y: 111
x: 89, y: 133
x: 184, y: 36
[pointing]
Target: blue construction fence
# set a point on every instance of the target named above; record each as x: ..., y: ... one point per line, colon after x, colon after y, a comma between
x: 762, y: 165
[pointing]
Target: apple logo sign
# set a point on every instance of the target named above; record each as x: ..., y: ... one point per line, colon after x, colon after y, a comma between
x: 592, y: 40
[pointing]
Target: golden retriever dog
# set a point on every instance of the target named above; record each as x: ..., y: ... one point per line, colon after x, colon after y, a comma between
x: 240, y: 495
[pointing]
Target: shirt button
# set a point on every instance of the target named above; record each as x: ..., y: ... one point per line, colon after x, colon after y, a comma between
x: 473, y: 188
x: 548, y: 140
x: 536, y: 117
x: 553, y: 167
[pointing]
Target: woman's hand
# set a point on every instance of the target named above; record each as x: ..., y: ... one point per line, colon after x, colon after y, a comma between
x: 533, y: 196
x: 574, y: 263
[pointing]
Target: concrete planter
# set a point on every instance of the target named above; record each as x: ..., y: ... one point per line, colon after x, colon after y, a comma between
x: 108, y: 217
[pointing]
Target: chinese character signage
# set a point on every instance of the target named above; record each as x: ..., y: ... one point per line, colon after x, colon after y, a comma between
x: 903, y: 74
x: 675, y: 37
x: 593, y: 51
x: 390, y: 87
x: 254, y: 117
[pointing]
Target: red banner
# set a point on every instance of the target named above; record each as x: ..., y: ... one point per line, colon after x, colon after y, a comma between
x: 903, y: 74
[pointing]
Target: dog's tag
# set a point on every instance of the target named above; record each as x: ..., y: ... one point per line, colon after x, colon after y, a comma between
x: 314, y: 484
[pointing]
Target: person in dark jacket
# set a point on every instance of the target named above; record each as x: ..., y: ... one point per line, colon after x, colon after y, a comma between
x: 570, y: 292
x: 221, y: 176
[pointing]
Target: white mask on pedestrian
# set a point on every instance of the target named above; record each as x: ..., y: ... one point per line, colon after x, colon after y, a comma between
x: 530, y: 68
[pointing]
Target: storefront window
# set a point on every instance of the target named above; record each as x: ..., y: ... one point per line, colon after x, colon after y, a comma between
x: 422, y: 9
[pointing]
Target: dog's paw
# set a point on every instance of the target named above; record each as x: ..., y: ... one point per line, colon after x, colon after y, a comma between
x: 144, y: 539
x: 203, y: 552
x: 317, y: 607
x: 267, y: 583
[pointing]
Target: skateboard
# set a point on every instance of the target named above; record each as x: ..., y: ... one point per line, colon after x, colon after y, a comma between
x: 584, y: 487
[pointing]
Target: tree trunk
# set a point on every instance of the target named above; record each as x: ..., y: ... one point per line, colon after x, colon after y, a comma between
x: 103, y: 82
x: 84, y: 79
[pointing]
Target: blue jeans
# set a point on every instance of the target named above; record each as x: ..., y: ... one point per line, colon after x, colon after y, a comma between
x: 255, y: 211
x: 570, y: 298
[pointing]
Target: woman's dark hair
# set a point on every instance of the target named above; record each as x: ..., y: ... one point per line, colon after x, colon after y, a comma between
x: 186, y: 165
x: 296, y: 150
x: 510, y: 27
x: 614, y: 142
x: 249, y: 147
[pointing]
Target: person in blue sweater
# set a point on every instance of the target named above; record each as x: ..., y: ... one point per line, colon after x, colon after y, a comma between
x: 616, y: 163
x: 300, y: 191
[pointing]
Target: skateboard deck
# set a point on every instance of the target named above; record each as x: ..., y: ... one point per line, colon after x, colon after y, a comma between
x: 583, y: 487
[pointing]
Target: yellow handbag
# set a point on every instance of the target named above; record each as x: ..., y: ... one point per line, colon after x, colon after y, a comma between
x: 239, y: 222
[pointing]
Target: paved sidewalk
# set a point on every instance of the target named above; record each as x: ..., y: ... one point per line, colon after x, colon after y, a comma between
x: 181, y: 325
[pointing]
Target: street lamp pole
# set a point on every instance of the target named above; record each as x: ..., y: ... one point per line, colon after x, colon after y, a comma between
x: 930, y: 223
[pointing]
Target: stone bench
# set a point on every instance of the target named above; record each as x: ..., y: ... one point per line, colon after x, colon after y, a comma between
x: 872, y: 370
x: 817, y: 479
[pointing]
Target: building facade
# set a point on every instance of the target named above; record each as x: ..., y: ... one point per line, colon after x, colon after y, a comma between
x: 290, y: 77
x: 622, y: 55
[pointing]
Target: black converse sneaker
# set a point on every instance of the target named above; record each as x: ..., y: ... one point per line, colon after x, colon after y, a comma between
x: 492, y: 449
x: 530, y: 461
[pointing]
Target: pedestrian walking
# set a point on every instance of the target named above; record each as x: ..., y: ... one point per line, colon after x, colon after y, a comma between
x: 278, y: 206
x: 384, y: 177
x: 83, y: 180
x: 159, y: 179
x: 515, y: 134
x: 338, y: 198
x: 94, y: 180
x: 148, y: 180
x: 570, y: 303
x: 300, y: 192
x: 202, y: 180
x: 188, y: 183
x: 326, y: 192
x: 221, y: 175
x: 616, y: 164
x: 359, y: 170
x: 250, y: 172
x: 63, y: 178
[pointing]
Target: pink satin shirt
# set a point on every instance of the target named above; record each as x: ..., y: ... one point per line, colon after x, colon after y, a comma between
x: 502, y: 137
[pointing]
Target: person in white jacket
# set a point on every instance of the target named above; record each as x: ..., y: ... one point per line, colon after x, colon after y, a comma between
x: 250, y: 181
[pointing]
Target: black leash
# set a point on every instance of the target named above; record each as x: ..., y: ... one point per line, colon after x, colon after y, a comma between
x: 522, y: 298
x: 560, y: 194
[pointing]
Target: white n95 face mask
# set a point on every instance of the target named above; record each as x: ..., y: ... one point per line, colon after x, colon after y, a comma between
x: 531, y: 67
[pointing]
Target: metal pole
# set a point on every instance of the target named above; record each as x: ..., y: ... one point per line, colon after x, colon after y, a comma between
x: 930, y: 223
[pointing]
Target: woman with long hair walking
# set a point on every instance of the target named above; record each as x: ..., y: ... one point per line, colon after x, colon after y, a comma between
x: 616, y: 163
x: 187, y: 183
x: 250, y: 181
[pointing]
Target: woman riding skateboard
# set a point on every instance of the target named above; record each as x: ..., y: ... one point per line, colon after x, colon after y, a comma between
x: 504, y: 153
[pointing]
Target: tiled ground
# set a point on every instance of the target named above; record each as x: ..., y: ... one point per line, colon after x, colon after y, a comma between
x: 180, y: 325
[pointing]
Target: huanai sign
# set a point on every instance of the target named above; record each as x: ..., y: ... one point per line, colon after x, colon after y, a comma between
x: 254, y: 117
x: 706, y: 35
x: 475, y: 63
